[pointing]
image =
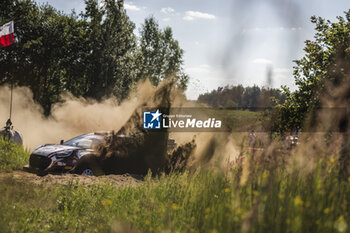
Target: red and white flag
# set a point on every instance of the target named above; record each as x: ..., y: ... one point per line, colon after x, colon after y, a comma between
x: 7, y: 35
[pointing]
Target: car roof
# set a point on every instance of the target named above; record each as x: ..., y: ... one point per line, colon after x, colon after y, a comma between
x: 89, y: 135
x: 101, y: 135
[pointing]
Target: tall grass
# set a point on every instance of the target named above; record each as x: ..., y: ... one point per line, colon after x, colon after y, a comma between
x: 12, y: 156
x: 264, y: 196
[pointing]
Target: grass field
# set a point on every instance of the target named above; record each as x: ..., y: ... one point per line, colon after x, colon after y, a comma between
x: 238, y: 120
x: 261, y: 195
x: 241, y: 123
x: 12, y: 156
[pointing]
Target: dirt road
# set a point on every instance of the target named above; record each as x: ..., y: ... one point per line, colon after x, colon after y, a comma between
x: 117, y: 180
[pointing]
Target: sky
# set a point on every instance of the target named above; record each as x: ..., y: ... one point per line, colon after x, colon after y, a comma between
x: 231, y: 42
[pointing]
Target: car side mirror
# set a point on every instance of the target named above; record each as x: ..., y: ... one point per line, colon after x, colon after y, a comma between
x: 62, y: 141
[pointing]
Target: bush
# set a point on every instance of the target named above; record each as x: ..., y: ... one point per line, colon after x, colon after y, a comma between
x: 12, y: 156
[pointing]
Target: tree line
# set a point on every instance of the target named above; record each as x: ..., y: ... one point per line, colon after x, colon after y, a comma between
x: 242, y: 97
x: 322, y: 79
x: 93, y: 54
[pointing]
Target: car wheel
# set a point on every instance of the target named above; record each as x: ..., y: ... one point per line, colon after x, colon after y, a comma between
x: 88, y: 172
x: 41, y: 173
x: 88, y: 165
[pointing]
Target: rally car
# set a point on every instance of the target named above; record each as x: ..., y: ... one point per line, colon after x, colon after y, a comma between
x: 66, y: 156
x: 74, y: 156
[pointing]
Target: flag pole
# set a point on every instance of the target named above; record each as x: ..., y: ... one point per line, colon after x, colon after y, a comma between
x: 7, y: 38
x: 11, y: 100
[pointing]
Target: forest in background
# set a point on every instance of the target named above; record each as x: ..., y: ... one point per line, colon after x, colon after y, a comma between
x: 242, y: 97
x: 321, y: 77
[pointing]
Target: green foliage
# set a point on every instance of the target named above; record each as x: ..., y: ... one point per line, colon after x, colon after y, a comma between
x: 241, y: 97
x: 325, y: 64
x: 160, y: 53
x: 93, y: 54
x: 46, y: 53
x: 12, y: 156
x: 111, y: 65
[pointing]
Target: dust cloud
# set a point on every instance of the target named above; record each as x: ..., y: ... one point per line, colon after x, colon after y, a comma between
x: 75, y: 116
x: 70, y: 118
x: 139, y: 154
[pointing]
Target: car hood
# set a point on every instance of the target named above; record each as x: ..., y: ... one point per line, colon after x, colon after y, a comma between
x: 47, y: 150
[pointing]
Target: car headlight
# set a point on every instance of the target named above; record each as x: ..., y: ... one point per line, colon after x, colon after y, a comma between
x: 64, y: 154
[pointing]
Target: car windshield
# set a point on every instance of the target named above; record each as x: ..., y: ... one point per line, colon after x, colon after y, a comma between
x: 87, y: 141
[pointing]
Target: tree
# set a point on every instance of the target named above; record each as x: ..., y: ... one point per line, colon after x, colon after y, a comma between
x: 326, y: 63
x: 44, y: 53
x: 94, y: 54
x: 91, y: 55
x: 112, y: 66
x: 161, y: 54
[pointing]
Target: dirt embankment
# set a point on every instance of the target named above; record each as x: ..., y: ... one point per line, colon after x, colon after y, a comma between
x: 117, y: 180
